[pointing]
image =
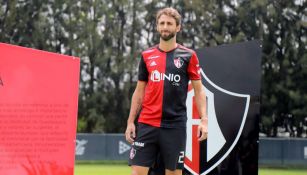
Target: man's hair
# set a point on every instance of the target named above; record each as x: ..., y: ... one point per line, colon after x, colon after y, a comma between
x: 169, y: 11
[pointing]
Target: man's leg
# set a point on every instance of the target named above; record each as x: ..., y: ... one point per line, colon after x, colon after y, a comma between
x: 172, y: 147
x: 144, y: 149
x: 175, y: 172
x: 158, y: 168
x: 139, y: 170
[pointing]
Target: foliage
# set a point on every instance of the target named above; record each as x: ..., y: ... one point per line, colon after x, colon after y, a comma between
x: 109, y: 35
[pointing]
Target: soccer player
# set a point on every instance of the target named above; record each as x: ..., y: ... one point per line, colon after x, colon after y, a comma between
x: 160, y: 100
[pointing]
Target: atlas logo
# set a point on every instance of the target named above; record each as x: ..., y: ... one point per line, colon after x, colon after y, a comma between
x: 201, y: 158
x: 178, y: 62
x: 156, y: 76
x: 132, y: 153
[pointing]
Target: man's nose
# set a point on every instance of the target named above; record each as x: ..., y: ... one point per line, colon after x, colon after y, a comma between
x: 164, y: 26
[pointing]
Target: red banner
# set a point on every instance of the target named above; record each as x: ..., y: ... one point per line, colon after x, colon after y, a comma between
x: 38, y: 111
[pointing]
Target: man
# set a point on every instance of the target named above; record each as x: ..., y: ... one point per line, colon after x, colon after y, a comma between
x: 160, y: 97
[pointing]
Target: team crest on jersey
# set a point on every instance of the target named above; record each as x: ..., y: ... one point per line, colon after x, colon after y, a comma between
x: 178, y: 62
x: 201, y: 157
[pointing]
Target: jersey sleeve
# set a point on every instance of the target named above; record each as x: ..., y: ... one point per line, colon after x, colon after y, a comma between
x: 143, y: 72
x: 193, y: 68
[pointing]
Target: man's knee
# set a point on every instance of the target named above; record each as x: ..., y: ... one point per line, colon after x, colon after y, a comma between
x: 139, y: 170
x: 175, y: 172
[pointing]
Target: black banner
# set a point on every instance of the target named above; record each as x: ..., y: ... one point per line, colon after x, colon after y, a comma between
x: 231, y: 77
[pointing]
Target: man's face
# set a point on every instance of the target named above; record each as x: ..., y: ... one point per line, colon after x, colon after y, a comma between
x: 167, y: 27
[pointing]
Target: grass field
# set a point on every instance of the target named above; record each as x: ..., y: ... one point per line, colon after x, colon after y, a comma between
x: 123, y: 169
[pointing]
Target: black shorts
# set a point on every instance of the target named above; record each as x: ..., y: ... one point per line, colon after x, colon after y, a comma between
x: 152, y: 141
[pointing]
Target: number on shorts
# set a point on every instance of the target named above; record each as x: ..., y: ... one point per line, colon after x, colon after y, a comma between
x: 181, y: 156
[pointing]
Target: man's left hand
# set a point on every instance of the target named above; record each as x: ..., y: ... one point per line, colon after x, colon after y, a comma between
x: 202, y: 131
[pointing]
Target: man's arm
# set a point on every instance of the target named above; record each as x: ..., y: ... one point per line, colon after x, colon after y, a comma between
x: 200, y: 99
x: 136, y: 104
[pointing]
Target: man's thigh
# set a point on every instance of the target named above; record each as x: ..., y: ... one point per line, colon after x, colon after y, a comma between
x: 145, y: 148
x: 172, y: 147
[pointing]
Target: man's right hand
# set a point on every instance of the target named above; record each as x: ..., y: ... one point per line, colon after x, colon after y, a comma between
x: 130, y: 132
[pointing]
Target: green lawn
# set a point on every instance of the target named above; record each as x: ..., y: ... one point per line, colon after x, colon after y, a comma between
x: 270, y: 171
x: 102, y: 169
x: 122, y: 169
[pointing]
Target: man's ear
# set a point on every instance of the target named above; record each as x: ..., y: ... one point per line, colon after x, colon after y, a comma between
x: 178, y: 28
x: 157, y: 27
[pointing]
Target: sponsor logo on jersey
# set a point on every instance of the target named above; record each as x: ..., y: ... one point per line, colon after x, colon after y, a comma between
x: 153, y: 57
x: 156, y: 76
x: 139, y: 144
x: 178, y: 62
x: 153, y: 63
x: 218, y: 144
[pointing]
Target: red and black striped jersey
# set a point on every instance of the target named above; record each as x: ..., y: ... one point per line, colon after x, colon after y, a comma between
x: 167, y: 75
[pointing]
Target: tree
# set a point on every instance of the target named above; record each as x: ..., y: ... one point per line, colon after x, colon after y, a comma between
x: 108, y: 36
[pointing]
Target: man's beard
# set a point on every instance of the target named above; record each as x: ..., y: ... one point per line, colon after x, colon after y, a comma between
x: 167, y: 37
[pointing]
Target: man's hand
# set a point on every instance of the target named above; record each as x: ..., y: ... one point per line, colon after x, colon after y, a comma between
x: 202, y: 131
x: 130, y: 132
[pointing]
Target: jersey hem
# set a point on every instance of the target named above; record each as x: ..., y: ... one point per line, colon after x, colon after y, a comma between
x: 148, y: 123
x: 195, y: 78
